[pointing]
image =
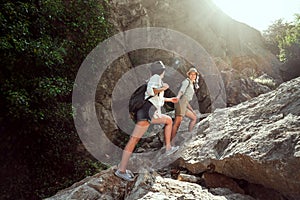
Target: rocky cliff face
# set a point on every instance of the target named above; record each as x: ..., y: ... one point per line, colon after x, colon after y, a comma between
x: 235, y: 49
x: 249, y: 151
x: 201, y: 19
x: 237, y: 44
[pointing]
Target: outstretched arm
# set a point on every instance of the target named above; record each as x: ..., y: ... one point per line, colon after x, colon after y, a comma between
x: 172, y: 99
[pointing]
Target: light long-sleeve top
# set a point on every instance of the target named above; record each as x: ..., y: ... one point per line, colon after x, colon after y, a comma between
x: 187, y: 89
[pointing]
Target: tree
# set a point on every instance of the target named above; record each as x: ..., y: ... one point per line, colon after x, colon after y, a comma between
x: 42, y: 46
x: 283, y: 39
x: 290, y: 44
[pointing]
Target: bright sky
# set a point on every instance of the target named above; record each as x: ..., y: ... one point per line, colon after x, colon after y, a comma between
x: 259, y: 14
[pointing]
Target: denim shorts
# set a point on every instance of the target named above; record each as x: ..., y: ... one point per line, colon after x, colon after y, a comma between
x: 143, y: 113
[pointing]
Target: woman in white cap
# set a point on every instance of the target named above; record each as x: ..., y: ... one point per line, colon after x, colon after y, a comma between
x: 155, y: 89
x: 185, y: 95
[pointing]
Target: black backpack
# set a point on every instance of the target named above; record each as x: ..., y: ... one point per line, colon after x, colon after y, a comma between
x: 137, y: 100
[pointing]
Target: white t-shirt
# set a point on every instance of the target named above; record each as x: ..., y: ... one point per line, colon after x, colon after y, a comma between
x: 155, y: 82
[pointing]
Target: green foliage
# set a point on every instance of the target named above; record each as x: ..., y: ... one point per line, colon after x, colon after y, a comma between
x: 42, y: 45
x: 290, y: 44
x: 274, y: 34
x: 283, y: 39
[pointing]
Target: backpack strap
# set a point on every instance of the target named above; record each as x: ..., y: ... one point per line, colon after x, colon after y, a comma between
x: 187, y: 86
x: 148, y: 98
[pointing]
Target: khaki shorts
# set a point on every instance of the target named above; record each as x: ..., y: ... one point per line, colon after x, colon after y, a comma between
x: 181, y: 106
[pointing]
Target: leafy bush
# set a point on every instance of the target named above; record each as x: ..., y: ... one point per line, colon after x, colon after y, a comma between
x: 283, y: 39
x: 42, y: 45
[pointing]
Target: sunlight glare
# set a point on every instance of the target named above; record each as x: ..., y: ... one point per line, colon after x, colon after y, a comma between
x: 259, y: 13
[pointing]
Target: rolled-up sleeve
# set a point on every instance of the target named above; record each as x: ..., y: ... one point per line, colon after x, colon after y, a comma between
x: 154, y: 82
x: 184, y: 85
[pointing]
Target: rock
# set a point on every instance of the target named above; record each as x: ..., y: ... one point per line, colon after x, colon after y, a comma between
x: 153, y: 186
x: 290, y: 69
x: 188, y: 178
x: 215, y: 180
x: 240, y: 88
x: 266, y: 80
x: 257, y: 141
x: 104, y: 185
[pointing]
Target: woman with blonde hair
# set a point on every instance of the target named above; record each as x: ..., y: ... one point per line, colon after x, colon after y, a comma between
x: 183, y: 107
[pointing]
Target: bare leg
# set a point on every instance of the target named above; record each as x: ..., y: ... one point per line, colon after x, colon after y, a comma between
x: 139, y: 130
x: 167, y: 120
x: 193, y: 119
x: 176, y: 125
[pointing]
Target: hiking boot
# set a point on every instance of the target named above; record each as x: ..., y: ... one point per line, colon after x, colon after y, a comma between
x: 172, y: 150
x: 127, y: 176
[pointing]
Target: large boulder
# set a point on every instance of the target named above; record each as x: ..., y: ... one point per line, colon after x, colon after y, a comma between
x: 257, y: 141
